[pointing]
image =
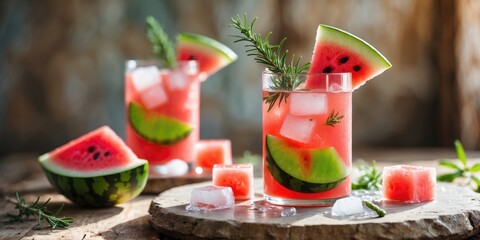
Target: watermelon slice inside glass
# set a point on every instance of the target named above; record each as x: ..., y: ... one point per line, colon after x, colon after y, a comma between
x: 211, y: 54
x: 338, y: 51
x: 96, y: 169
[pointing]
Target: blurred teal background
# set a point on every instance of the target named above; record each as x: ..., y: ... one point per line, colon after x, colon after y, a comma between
x: 62, y: 63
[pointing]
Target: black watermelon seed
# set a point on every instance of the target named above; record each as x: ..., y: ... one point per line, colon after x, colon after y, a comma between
x: 96, y: 155
x: 192, y: 57
x: 106, y: 154
x: 343, y: 60
x: 327, y: 70
x: 91, y: 149
x: 357, y: 68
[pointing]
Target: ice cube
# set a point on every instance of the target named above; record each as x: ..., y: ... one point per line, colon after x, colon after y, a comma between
x: 335, y: 88
x: 297, y: 128
x: 154, y: 96
x: 347, y: 206
x: 302, y: 104
x: 288, y: 212
x: 212, y: 198
x: 175, y: 167
x: 145, y: 77
x: 177, y: 79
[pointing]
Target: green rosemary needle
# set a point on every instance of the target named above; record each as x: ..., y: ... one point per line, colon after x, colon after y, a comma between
x: 39, y: 211
x: 162, y: 47
x: 273, y: 57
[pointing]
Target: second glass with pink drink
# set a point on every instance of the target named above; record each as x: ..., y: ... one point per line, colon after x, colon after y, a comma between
x: 307, y: 139
x: 162, y: 107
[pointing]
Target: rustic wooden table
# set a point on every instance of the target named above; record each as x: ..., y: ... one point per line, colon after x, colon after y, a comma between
x: 21, y: 173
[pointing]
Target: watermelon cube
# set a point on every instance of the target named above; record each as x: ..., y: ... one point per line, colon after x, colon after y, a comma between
x: 408, y: 183
x: 239, y: 177
x: 211, y: 152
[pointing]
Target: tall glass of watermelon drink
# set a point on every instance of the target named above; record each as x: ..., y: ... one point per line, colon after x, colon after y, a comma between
x: 162, y: 108
x: 307, y: 139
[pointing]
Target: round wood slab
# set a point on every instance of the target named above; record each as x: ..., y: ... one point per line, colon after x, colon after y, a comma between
x: 454, y: 214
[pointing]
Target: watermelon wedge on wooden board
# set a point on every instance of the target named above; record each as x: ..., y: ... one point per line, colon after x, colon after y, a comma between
x: 96, y: 169
x: 211, y: 54
x: 338, y: 51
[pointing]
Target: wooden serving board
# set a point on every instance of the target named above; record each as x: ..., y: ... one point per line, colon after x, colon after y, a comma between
x: 454, y: 214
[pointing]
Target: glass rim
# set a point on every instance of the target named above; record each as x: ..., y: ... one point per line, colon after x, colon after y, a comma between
x: 268, y: 72
x: 156, y: 61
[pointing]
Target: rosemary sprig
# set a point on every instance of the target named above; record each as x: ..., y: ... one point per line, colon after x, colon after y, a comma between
x: 371, y: 178
x: 334, y: 118
x: 38, y: 210
x: 273, y: 57
x: 464, y: 171
x: 162, y: 47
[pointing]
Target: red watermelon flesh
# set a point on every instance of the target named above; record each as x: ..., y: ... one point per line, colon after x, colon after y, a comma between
x: 210, y: 54
x: 410, y: 184
x: 338, y: 51
x: 98, y: 151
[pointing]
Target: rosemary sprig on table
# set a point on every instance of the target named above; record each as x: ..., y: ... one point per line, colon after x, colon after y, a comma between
x: 371, y: 178
x: 461, y: 172
x: 162, y: 47
x: 381, y: 212
x: 273, y: 57
x: 334, y: 118
x: 39, y: 211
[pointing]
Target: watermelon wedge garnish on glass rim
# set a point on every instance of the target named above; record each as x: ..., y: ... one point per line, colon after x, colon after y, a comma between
x: 210, y: 54
x: 338, y: 51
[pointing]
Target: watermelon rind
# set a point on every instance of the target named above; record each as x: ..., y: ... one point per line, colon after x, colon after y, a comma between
x: 327, y: 169
x: 347, y: 40
x: 370, y: 57
x: 211, y: 45
x: 155, y: 127
x: 100, y: 191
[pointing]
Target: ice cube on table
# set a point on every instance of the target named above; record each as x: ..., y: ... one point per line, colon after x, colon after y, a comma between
x: 297, y: 128
x: 154, y: 96
x: 175, y: 167
x: 211, y: 198
x: 145, y: 77
x: 178, y: 79
x: 302, y: 104
x: 347, y: 206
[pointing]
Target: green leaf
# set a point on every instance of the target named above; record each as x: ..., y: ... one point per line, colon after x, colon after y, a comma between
x: 475, y: 167
x: 450, y: 176
x: 461, y: 152
x: 450, y: 165
x: 162, y: 47
x: 477, y: 181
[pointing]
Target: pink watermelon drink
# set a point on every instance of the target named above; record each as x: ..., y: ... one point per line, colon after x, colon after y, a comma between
x: 307, y: 117
x: 162, y: 110
x: 307, y: 142
x: 163, y: 98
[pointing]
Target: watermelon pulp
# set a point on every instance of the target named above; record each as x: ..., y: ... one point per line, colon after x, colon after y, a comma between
x: 239, y: 177
x: 211, y: 152
x: 407, y: 183
x: 96, y: 169
x: 211, y: 54
x: 338, y: 51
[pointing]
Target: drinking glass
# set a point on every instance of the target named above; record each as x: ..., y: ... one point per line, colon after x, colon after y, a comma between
x: 307, y: 134
x: 162, y: 106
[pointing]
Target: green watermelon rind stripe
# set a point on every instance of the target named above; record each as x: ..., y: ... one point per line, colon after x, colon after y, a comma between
x: 213, y: 46
x: 293, y: 183
x: 159, y: 128
x: 345, y: 39
x: 46, y: 161
x: 83, y: 191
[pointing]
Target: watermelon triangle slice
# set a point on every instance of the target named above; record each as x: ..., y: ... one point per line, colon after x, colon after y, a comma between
x: 211, y: 54
x: 338, y: 51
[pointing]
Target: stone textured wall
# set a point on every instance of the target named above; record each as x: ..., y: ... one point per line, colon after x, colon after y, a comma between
x: 61, y: 66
